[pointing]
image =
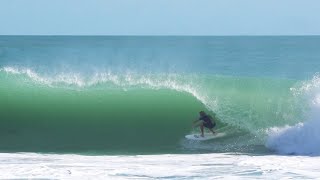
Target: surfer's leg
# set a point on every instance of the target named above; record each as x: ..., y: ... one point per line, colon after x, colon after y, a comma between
x: 200, y: 124
x: 201, y: 128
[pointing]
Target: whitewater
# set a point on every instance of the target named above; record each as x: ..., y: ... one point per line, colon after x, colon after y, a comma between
x: 98, y: 107
x: 166, y: 166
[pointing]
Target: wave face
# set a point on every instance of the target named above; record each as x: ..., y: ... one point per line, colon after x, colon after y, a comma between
x: 140, y: 94
x: 137, y: 113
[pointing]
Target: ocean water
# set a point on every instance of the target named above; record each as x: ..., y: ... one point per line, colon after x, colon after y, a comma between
x: 119, y: 106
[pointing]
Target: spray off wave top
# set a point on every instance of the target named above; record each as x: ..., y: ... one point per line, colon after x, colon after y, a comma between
x: 304, y: 137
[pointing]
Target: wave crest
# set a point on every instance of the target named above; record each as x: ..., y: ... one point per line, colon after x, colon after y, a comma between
x: 127, y: 80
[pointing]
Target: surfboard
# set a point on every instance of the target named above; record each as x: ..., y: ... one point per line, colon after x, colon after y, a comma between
x: 207, y: 136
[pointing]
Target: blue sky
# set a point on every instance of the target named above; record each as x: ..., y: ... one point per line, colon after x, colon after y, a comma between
x: 160, y: 17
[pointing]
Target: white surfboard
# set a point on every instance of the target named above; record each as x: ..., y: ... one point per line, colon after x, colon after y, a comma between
x: 207, y: 136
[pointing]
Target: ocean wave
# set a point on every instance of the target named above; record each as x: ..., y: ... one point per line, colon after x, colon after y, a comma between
x: 244, y: 105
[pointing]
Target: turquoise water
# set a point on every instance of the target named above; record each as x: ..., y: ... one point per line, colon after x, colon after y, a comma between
x: 139, y: 95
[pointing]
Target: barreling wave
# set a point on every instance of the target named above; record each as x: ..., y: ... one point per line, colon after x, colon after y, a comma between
x: 113, y: 112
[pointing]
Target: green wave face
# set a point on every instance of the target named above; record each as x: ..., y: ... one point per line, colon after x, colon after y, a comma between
x: 140, y: 118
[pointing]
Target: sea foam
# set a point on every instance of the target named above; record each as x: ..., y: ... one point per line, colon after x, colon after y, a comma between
x: 302, y: 138
x: 167, y: 166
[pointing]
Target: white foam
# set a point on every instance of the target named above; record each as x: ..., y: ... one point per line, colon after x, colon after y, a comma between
x: 302, y: 138
x: 169, y: 166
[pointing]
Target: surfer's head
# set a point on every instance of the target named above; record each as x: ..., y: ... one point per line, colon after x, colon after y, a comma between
x: 202, y: 113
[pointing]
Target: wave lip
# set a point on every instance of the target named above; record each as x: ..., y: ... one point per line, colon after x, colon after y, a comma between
x: 68, y: 79
x: 174, y: 82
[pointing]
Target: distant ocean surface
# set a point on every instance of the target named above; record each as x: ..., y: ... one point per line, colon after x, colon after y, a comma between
x: 70, y: 103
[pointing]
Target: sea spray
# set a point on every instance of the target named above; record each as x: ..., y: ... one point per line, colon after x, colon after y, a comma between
x: 304, y: 137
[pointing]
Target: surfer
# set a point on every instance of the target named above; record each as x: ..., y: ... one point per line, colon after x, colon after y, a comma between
x: 205, y: 121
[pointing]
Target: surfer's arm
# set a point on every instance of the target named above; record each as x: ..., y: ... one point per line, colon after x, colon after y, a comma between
x: 196, y: 121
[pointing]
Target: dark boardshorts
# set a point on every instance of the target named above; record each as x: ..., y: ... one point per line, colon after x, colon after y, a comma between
x: 209, y: 125
x: 207, y: 122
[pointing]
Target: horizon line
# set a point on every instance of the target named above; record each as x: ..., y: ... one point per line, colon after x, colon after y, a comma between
x: 159, y: 35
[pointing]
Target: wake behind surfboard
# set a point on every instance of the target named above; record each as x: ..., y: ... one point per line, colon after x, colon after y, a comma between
x: 207, y: 136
